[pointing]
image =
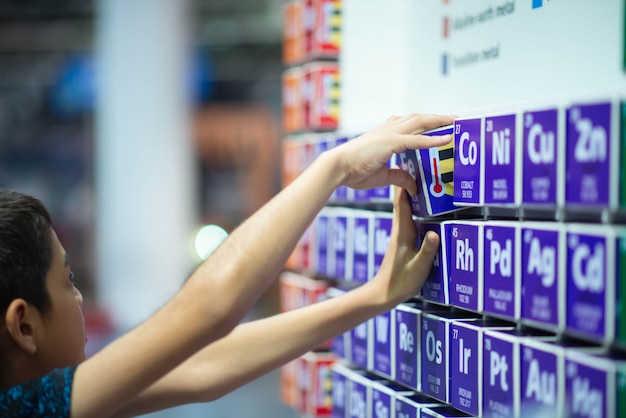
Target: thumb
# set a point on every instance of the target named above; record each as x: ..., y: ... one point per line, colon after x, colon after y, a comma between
x: 401, y: 178
x: 430, y: 244
x: 422, y: 263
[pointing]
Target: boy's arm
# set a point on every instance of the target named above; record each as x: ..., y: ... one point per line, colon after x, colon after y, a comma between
x: 222, y: 290
x: 257, y: 347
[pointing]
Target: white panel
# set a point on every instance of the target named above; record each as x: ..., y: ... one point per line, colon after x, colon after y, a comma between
x: 507, y: 52
x: 144, y: 166
x: 374, y: 61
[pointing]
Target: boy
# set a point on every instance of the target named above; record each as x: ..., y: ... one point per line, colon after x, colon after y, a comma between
x: 192, y: 350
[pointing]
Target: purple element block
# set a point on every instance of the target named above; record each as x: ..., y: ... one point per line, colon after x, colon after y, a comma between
x: 539, y: 384
x: 585, y: 390
x: 464, y: 373
x: 498, y: 379
x: 467, y: 161
x: 320, y: 147
x: 361, y: 259
x: 381, y: 194
x: 500, y: 270
x: 434, y: 361
x: 338, y: 345
x: 437, y: 165
x: 586, y: 284
x: 540, y: 157
x: 359, y: 336
x: 464, y: 266
x: 540, y: 275
x: 339, y: 394
x: 381, y: 402
x: 435, y: 288
x: 406, y: 409
x: 361, y: 196
x: 588, y: 146
x: 382, y: 232
x: 409, y: 163
x: 358, y: 399
x: 382, y: 327
x: 500, y: 159
x: 339, y: 228
x: 321, y: 232
x: 407, y: 346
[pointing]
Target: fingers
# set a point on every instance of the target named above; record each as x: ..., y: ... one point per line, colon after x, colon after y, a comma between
x: 403, y: 224
x: 422, y: 264
x: 403, y: 220
x: 393, y: 118
x: 403, y: 179
x: 422, y: 141
x: 415, y: 123
x: 410, y: 127
x: 430, y: 245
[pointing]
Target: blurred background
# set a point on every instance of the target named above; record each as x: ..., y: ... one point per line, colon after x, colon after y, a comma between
x: 136, y: 122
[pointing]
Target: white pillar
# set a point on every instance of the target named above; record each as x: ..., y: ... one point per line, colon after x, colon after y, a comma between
x: 145, y: 186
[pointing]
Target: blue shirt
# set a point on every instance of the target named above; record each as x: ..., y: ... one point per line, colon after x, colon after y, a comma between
x: 49, y: 396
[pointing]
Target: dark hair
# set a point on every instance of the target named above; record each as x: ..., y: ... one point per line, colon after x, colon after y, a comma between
x: 25, y: 250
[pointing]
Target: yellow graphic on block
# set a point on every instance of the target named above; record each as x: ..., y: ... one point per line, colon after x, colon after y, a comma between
x: 334, y: 21
x: 441, y: 165
x: 333, y: 96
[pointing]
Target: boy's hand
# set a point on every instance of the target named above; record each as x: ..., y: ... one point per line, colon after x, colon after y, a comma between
x: 404, y: 269
x: 364, y: 159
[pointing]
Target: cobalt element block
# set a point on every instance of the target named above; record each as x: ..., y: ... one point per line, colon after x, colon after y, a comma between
x: 469, y: 178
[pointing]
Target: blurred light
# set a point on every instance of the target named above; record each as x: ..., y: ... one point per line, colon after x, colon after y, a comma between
x: 73, y: 92
x: 201, y: 79
x: 208, y: 238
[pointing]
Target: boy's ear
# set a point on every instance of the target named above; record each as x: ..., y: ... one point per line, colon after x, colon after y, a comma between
x: 20, y: 322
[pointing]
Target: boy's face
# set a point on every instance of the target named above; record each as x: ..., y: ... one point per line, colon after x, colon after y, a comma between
x: 64, y: 325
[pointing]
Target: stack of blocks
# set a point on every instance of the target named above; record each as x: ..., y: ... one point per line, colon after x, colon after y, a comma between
x: 310, y: 102
x: 311, y: 44
x: 310, y: 106
x: 521, y: 313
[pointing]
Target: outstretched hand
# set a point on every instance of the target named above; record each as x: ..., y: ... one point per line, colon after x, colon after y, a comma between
x: 404, y: 268
x: 364, y: 159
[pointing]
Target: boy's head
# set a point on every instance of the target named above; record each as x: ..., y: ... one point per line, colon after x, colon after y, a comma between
x: 25, y: 250
x: 41, y: 326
